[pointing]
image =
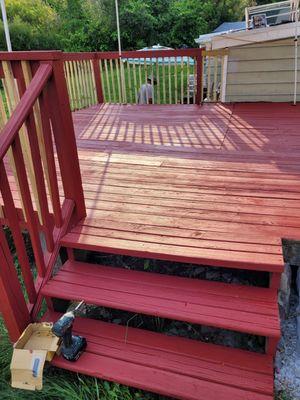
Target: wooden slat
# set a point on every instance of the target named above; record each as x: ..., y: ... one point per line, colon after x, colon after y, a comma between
x: 111, y: 71
x: 245, y: 309
x: 11, y: 214
x: 158, y: 82
x: 209, y: 371
x: 50, y: 160
x: 164, y: 81
x: 13, y: 307
x: 119, y: 99
x: 28, y: 208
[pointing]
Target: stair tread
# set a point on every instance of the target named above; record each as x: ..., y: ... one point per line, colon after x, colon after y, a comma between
x: 172, y: 366
x: 206, y: 256
x: 229, y: 306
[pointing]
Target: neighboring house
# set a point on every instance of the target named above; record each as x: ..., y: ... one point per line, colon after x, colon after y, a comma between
x: 260, y: 63
x: 224, y: 28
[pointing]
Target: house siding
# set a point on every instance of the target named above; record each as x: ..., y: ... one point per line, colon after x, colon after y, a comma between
x: 262, y: 72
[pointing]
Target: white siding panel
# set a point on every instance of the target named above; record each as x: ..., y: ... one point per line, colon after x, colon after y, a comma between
x: 262, y: 72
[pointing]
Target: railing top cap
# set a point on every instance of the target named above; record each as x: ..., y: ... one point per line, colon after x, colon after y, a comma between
x: 30, y: 55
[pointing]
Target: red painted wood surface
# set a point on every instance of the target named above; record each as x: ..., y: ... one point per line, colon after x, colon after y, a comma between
x: 11, y: 214
x: 98, y: 80
x: 55, y: 201
x: 13, y: 306
x: 177, y: 367
x: 58, y: 102
x: 166, y: 182
x: 246, y: 309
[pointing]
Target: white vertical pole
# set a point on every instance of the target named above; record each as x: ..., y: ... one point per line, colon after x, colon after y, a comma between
x: 5, y: 24
x: 120, y: 52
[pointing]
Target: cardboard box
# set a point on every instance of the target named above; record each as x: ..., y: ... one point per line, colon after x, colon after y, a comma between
x: 36, y: 345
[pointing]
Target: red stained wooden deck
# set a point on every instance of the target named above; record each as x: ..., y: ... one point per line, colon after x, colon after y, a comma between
x: 217, y: 184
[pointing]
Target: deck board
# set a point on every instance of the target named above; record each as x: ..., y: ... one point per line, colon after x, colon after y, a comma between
x: 212, y: 184
x: 219, y: 183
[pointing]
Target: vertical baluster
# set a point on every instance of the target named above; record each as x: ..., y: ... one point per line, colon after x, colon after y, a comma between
x: 107, y: 81
x: 87, y: 83
x: 13, y: 306
x: 164, y: 80
x: 175, y: 77
x: 76, y: 84
x: 140, y: 73
x: 54, y: 192
x: 170, y: 81
x: 90, y: 81
x: 119, y: 99
x: 104, y: 87
x: 208, y: 79
x: 216, y: 66
x: 41, y: 188
x: 12, y: 215
x: 97, y: 80
x: 158, y: 82
x: 202, y: 79
x: 130, y: 97
x: 123, y: 80
x: 188, y: 80
x: 222, y: 81
x: 112, y: 80
x: 70, y: 84
x: 28, y: 207
x: 152, y: 75
x: 181, y: 80
x: 199, y: 75
x: 79, y: 85
x: 146, y: 77
x: 135, y: 82
x: 84, y: 83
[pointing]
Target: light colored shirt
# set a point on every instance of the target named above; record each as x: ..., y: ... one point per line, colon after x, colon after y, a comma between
x: 145, y: 93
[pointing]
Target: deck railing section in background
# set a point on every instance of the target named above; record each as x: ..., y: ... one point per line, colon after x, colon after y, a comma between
x: 214, y: 75
x: 39, y: 167
x: 105, y: 77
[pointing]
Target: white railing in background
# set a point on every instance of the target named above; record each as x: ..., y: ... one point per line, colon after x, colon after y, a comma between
x: 214, y: 75
x: 275, y: 13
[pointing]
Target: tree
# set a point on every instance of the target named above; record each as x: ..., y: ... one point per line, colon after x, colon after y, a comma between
x: 32, y: 25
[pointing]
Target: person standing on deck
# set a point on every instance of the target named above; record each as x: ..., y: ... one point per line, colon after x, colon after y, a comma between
x: 145, y: 95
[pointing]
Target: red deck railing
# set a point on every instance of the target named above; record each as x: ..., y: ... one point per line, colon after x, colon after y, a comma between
x: 38, y: 133
x: 108, y: 78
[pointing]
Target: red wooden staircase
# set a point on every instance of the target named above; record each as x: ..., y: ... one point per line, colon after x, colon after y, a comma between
x: 173, y: 366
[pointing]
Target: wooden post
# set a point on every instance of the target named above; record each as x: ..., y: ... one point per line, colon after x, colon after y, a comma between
x: 199, y: 77
x: 63, y: 130
x: 98, y: 80
x: 13, y: 306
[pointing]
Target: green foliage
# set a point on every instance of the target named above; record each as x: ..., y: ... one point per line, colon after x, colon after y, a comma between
x: 89, y: 25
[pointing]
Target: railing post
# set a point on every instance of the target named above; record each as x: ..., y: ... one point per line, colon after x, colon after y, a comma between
x: 13, y: 306
x: 98, y: 79
x: 63, y: 130
x: 199, y: 77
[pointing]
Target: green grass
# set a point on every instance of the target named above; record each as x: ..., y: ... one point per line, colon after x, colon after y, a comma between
x: 62, y: 385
